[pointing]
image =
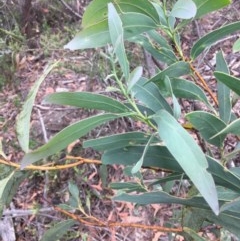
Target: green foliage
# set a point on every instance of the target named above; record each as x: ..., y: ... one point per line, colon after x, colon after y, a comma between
x: 135, y: 19
x: 9, y: 186
x: 229, y: 81
x: 236, y: 46
x: 86, y: 100
x: 58, y: 230
x: 224, y: 94
x: 184, y: 9
x: 211, y: 38
x: 66, y: 137
x: 23, y: 122
x: 172, y: 133
x: 155, y: 102
x: 208, y: 125
x: 208, y: 6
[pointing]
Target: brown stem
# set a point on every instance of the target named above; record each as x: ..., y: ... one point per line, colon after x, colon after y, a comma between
x: 51, y: 168
x: 203, y: 83
x: 98, y: 223
x: 89, y: 220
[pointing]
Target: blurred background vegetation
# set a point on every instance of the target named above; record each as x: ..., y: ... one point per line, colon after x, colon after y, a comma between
x: 35, y: 27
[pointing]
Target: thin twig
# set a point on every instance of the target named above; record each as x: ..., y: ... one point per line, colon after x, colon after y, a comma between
x: 89, y: 220
x: 45, y: 189
x: 80, y: 161
x: 70, y: 9
x: 20, y: 213
x: 51, y: 168
x: 50, y: 108
x: 42, y: 126
x: 204, y: 84
x: 116, y: 224
x: 197, y: 28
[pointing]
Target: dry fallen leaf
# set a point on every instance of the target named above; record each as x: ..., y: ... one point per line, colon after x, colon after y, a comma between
x: 131, y: 219
x: 158, y: 235
x: 71, y: 146
x: 156, y: 208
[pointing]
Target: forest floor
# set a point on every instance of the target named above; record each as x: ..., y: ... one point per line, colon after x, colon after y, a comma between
x: 86, y: 71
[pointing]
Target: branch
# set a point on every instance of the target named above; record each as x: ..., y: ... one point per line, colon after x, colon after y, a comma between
x: 98, y: 223
x: 19, y: 212
x: 70, y: 9
x: 204, y: 84
x: 51, y: 168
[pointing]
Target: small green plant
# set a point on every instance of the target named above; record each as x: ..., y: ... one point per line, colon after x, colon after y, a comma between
x: 167, y: 144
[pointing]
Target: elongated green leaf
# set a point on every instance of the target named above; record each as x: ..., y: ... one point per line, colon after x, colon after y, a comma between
x: 163, y: 54
x: 160, y: 40
x: 127, y: 187
x: 229, y: 221
x: 23, y: 119
x: 222, y: 176
x: 236, y: 46
x: 233, y: 206
x: 86, y: 100
x: 233, y: 128
x: 161, y: 197
x: 221, y: 64
x: 135, y: 75
x: 171, y: 21
x: 136, y: 168
x: 97, y: 35
x: 91, y: 37
x: 175, y: 70
x: 4, y: 189
x: 184, y: 9
x: 176, y: 106
x: 211, y: 38
x: 159, y: 156
x: 117, y: 141
x: 171, y: 177
x: 208, y: 125
x: 235, y: 170
x: 161, y: 14
x: 127, y: 171
x: 156, y: 156
x: 58, y: 230
x: 65, y: 137
x: 116, y: 35
x: 224, y: 196
x: 138, y: 6
x: 193, y: 234
x: 183, y: 147
x: 136, y: 23
x: 224, y: 98
x: 149, y: 95
x: 230, y: 81
x: 8, y: 188
x: 97, y: 10
x: 208, y: 6
x: 183, y: 88
x: 74, y: 191
x: 193, y: 219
